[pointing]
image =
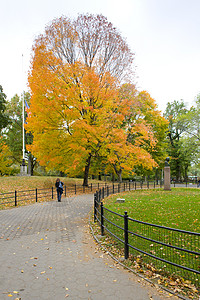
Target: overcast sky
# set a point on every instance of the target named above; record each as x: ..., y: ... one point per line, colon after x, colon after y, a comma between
x: 163, y: 34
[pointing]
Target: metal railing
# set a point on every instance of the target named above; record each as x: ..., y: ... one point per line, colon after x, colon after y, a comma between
x: 16, y: 198
x: 35, y: 195
x: 169, y: 250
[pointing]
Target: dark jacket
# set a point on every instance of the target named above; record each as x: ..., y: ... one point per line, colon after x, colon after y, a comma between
x: 57, y: 185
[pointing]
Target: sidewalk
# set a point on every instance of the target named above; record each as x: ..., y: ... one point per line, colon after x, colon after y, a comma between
x: 47, y: 253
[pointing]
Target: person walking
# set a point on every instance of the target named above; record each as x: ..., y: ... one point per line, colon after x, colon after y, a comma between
x: 198, y: 185
x: 59, y: 186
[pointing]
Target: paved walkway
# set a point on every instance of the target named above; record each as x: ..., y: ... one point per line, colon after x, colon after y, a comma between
x: 47, y: 253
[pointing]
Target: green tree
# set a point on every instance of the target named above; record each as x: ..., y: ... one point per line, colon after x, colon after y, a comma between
x: 191, y: 121
x: 14, y: 129
x: 175, y: 112
x: 3, y: 116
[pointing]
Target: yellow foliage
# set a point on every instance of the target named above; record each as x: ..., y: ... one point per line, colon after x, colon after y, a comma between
x: 76, y: 114
x: 5, y: 160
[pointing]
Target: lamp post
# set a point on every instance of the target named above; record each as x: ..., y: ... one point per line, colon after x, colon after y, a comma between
x: 167, y: 179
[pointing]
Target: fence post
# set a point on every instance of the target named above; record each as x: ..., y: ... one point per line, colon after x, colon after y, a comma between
x: 135, y: 185
x: 107, y: 190
x: 97, y: 196
x: 129, y: 186
x: 15, y: 198
x: 91, y: 187
x: 95, y: 203
x: 65, y: 191
x: 126, y: 247
x: 102, y: 225
x: 154, y: 184
x: 36, y: 196
x: 148, y: 184
x: 75, y: 189
x: 113, y: 188
x: 52, y: 192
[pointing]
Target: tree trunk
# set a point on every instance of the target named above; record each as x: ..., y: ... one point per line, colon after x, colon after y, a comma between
x: 33, y: 163
x: 118, y: 173
x: 86, y: 172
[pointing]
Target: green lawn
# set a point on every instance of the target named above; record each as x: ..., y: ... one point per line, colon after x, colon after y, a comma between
x: 178, y: 208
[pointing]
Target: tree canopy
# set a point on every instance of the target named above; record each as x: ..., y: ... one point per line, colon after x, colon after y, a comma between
x: 182, y: 135
x: 81, y: 109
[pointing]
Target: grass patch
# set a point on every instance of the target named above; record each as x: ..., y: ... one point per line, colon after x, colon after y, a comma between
x: 12, y: 183
x: 178, y: 208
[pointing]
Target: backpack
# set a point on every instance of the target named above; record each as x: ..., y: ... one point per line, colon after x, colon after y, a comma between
x: 60, y: 185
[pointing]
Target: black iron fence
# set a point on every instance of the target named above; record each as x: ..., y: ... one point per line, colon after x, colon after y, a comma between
x: 192, y: 184
x: 34, y: 195
x: 169, y: 250
x: 16, y: 198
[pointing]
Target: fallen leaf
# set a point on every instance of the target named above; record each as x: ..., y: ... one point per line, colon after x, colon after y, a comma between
x: 10, y: 295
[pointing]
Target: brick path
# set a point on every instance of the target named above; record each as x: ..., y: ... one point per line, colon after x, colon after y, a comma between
x: 47, y: 253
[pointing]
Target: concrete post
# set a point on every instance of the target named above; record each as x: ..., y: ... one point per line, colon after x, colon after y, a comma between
x: 167, y: 177
x: 23, y: 168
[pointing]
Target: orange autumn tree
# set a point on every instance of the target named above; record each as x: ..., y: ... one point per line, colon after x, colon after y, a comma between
x: 140, y: 139
x: 159, y: 126
x: 76, y: 109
